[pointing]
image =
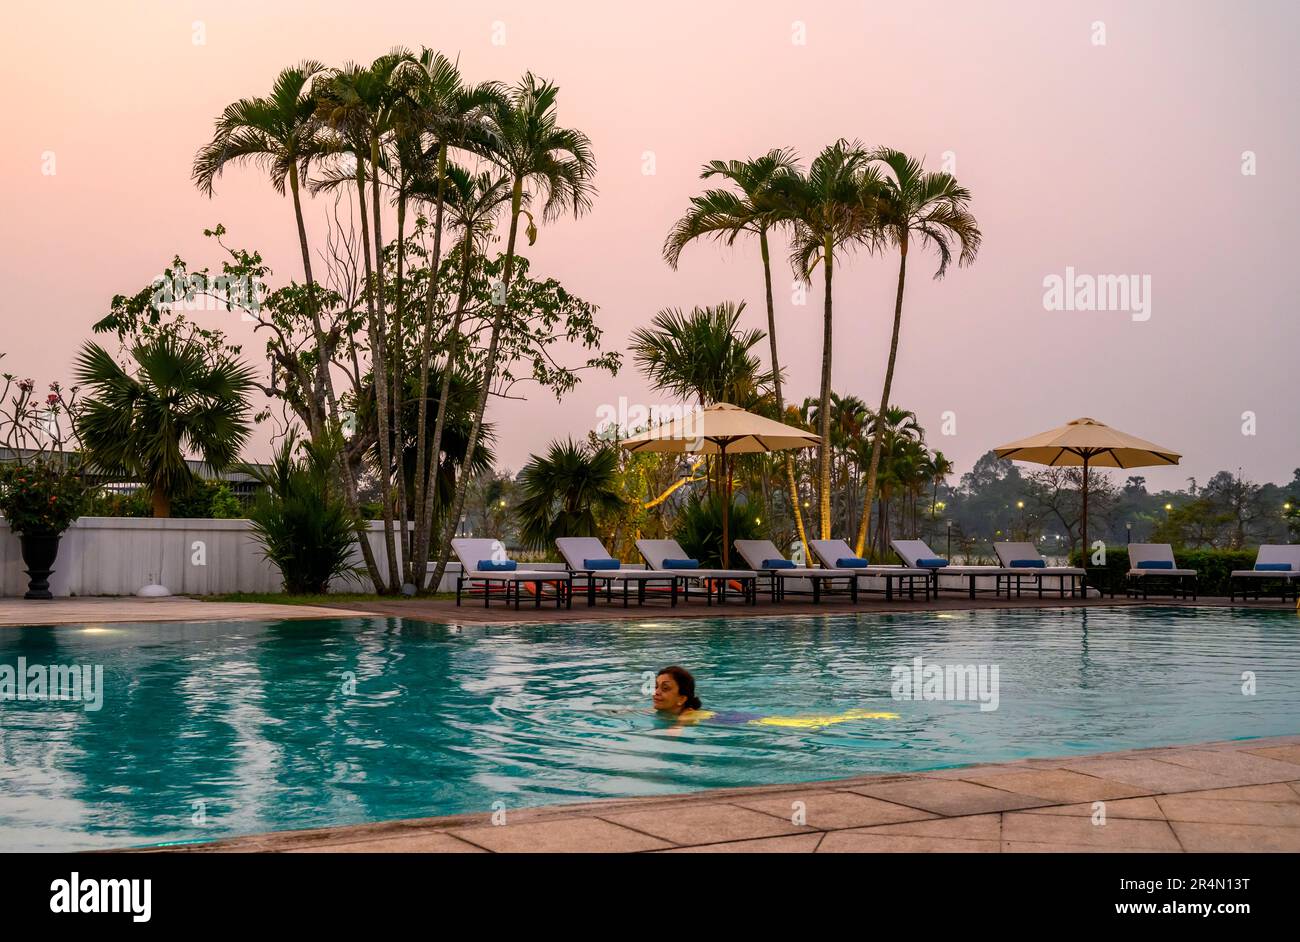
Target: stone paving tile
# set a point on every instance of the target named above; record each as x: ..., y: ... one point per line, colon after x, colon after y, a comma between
x: 1237, y: 768
x: 1116, y: 833
x: 950, y: 797
x: 1200, y: 837
x: 1119, y: 808
x: 1057, y: 785
x: 583, y: 835
x: 1031, y: 847
x: 831, y: 810
x: 1151, y: 775
x: 790, y: 844
x: 1280, y: 753
x: 869, y: 842
x: 1276, y: 792
x: 1226, y: 811
x: 433, y: 842
x: 970, y: 827
x: 705, y: 824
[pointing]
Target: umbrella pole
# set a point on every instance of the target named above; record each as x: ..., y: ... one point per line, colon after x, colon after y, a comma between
x: 726, y: 508
x: 1085, y: 511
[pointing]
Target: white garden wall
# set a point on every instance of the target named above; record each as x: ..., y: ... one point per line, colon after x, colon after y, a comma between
x: 118, y: 555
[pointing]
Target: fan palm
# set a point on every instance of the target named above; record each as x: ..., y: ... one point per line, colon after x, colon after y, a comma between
x: 831, y: 209
x: 181, y: 399
x: 565, y: 489
x: 725, y: 215
x: 545, y: 161
x: 912, y: 204
x: 702, y: 355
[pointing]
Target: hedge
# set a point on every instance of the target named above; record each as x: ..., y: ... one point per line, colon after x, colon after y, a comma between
x: 1212, y: 566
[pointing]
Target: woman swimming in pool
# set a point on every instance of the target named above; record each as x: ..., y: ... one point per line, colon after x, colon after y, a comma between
x: 675, y: 691
x: 675, y: 696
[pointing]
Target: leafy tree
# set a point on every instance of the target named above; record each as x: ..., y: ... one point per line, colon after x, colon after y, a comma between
x: 565, y: 490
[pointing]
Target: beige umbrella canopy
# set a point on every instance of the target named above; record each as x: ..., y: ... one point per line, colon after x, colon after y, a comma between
x: 1086, y: 442
x: 721, y: 429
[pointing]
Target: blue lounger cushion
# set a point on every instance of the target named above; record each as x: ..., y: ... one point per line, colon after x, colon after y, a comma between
x: 681, y: 564
x: 777, y: 564
x: 933, y: 563
x: 852, y: 562
x: 497, y: 565
x: 1028, y: 564
x: 601, y: 564
x: 1272, y: 567
x: 1155, y: 564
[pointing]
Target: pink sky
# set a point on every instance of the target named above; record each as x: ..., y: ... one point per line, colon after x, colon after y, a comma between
x: 1123, y: 158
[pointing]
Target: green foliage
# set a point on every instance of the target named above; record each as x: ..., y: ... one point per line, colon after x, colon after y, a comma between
x: 42, y: 498
x: 102, y: 503
x: 183, y: 397
x: 703, y: 355
x: 699, y: 528
x: 1213, y: 566
x: 302, y: 523
x: 565, y: 490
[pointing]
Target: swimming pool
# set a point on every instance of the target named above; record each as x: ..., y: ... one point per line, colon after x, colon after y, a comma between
x: 218, y: 729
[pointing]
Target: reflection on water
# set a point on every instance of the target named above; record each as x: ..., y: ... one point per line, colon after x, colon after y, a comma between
x: 210, y: 730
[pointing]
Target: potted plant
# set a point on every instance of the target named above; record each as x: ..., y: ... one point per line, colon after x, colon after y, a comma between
x: 40, y: 500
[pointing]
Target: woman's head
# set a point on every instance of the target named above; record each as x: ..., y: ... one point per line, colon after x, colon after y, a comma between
x: 675, y: 690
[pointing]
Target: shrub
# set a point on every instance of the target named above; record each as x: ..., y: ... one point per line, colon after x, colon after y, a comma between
x: 699, y: 528
x: 302, y: 521
x: 1212, y: 566
x: 41, y: 498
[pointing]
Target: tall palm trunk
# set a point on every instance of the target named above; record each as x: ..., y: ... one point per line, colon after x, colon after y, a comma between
x: 399, y: 382
x: 326, y: 382
x: 426, y: 479
x: 379, y: 365
x: 787, y: 459
x: 878, y: 439
x: 377, y: 368
x: 444, y: 397
x: 824, y: 417
x: 489, y: 369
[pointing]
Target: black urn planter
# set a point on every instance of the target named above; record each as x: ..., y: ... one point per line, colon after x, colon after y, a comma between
x: 39, y: 552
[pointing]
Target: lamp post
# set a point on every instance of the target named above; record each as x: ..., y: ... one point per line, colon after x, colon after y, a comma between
x: 949, y: 552
x: 1129, y: 528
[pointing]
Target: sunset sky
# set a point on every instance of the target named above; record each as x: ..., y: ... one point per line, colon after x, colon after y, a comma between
x: 1122, y: 158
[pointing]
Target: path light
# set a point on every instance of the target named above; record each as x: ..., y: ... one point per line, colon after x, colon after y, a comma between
x: 1020, y: 504
x: 1168, y: 507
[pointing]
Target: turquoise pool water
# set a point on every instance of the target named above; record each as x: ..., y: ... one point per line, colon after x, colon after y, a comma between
x: 210, y: 730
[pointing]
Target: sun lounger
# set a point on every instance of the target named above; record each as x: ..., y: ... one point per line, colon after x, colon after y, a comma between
x: 1025, y: 562
x: 1269, y: 563
x: 1149, y: 562
x: 582, y: 553
x: 759, y: 555
x: 833, y: 552
x: 659, y: 555
x: 917, y: 554
x: 476, y: 553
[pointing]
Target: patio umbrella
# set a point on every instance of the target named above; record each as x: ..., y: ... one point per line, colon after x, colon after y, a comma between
x: 721, y: 429
x: 1086, y: 442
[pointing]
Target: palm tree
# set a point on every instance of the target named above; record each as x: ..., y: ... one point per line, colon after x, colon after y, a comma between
x: 555, y: 165
x: 831, y: 208
x: 564, y: 490
x: 281, y: 133
x: 473, y: 201
x: 702, y: 355
x: 366, y: 105
x: 181, y: 399
x: 725, y: 215
x: 931, y: 208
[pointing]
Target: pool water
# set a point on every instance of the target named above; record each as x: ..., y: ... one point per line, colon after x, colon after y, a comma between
x: 218, y: 729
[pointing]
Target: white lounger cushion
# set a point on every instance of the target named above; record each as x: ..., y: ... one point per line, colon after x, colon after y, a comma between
x: 471, y: 552
x: 1010, y: 552
x: 656, y: 551
x: 1274, y: 553
x: 1154, y: 553
x: 755, y: 552
x: 909, y: 551
x: 830, y: 552
x: 576, y: 550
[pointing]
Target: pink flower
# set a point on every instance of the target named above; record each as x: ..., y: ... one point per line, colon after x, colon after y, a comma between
x: 51, y: 399
x: 27, y: 385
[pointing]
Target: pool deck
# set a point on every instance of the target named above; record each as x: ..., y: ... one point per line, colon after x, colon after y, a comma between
x: 1226, y: 796
x: 16, y: 612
